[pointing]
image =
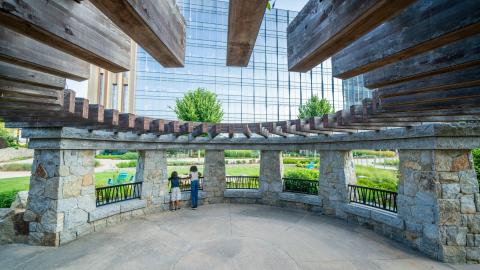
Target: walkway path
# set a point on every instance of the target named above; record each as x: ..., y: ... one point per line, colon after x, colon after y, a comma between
x: 226, y: 237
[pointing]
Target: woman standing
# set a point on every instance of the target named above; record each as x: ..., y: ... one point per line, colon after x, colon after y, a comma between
x: 194, y: 176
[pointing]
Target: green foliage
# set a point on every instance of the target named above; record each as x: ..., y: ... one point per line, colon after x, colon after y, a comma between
x: 7, y: 197
x: 376, y: 178
x: 97, y: 163
x: 241, y: 154
x: 126, y: 156
x: 7, y: 136
x: 200, y: 105
x: 373, y: 153
x: 16, y: 167
x: 269, y: 6
x: 390, y: 162
x: 314, y: 107
x: 127, y: 164
x: 476, y: 162
x: 306, y: 174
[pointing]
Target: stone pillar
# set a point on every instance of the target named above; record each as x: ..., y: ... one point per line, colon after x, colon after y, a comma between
x: 271, y: 173
x: 440, y: 203
x: 336, y: 172
x: 214, y: 173
x: 62, y: 193
x: 152, y: 170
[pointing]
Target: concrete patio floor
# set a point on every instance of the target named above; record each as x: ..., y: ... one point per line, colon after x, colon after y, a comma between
x: 226, y: 236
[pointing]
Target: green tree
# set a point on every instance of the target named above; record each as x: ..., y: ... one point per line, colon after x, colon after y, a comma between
x: 314, y: 107
x: 199, y: 105
x: 6, y: 136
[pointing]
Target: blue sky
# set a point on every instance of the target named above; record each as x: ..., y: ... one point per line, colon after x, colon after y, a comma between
x: 295, y: 5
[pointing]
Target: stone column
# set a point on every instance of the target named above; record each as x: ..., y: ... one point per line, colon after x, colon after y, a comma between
x: 439, y: 201
x: 214, y: 173
x: 152, y: 170
x: 336, y: 172
x: 271, y: 173
x: 62, y: 193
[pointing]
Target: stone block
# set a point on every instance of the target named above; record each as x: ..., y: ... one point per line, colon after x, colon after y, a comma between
x: 477, y: 239
x: 105, y: 211
x: 473, y: 254
x: 473, y: 223
x: 467, y: 204
x: 456, y: 236
x: 20, y: 201
x: 64, y: 205
x: 112, y: 220
x: 75, y: 217
x: 242, y: 193
x: 67, y: 236
x: 413, y: 227
x: 99, y: 225
x: 477, y: 201
x: 448, y: 177
x: 449, y: 212
x: 358, y: 210
x: 301, y: 198
x: 470, y: 240
x: 52, y: 221
x: 451, y: 191
x: 71, y: 188
x: 132, y: 205
x: 87, y: 180
x: 423, y: 213
x: 85, y: 229
x: 468, y: 182
x: 453, y: 254
x: 86, y: 203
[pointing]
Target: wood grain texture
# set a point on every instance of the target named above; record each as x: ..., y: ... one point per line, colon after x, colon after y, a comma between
x: 323, y: 28
x: 28, y: 76
x: 23, y: 51
x: 423, y: 26
x: 244, y: 20
x: 77, y: 29
x: 157, y: 26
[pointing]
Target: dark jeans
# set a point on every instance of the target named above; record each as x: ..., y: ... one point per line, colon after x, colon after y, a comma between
x: 194, y: 193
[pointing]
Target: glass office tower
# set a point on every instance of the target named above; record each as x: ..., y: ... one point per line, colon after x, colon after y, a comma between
x: 354, y: 91
x: 263, y: 91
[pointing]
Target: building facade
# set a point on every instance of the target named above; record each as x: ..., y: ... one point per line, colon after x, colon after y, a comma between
x: 263, y: 91
x: 354, y: 91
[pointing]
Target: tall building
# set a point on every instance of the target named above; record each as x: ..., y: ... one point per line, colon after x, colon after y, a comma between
x: 263, y: 91
x: 354, y: 91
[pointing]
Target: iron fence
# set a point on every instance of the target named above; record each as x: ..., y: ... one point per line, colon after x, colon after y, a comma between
x: 118, y: 193
x: 186, y: 184
x: 242, y: 182
x: 300, y: 186
x: 378, y: 198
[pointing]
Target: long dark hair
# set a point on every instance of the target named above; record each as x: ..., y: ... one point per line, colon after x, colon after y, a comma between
x: 193, y: 169
x: 174, y: 175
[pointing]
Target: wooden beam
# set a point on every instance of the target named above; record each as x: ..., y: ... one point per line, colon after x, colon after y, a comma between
x: 81, y: 108
x: 322, y: 28
x: 200, y: 130
x: 23, y: 51
x: 157, y: 126
x: 23, y: 92
x: 423, y: 26
x: 28, y: 76
x: 157, y: 26
x: 455, y: 56
x: 126, y: 121
x: 111, y: 117
x: 244, y: 20
x: 142, y: 124
x: 77, y: 29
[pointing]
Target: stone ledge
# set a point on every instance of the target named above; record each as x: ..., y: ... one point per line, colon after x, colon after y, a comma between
x: 242, y: 193
x: 105, y: 211
x: 186, y: 195
x: 378, y: 215
x: 301, y: 198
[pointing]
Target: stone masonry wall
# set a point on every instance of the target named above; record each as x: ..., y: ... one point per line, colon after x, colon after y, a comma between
x: 336, y: 172
x: 152, y: 170
x: 440, y: 202
x: 215, y: 178
x: 271, y: 173
x: 62, y: 193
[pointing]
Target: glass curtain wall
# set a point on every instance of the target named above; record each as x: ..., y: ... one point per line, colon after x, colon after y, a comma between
x: 263, y: 91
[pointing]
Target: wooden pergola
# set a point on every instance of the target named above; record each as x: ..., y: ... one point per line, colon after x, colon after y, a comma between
x: 420, y: 57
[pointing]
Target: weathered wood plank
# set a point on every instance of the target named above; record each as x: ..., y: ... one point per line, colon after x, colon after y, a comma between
x: 157, y: 126
x: 244, y: 20
x: 96, y: 113
x: 200, y: 130
x: 77, y: 29
x: 81, y: 108
x: 28, y: 76
x: 455, y: 56
x: 157, y: 26
x: 111, y: 117
x: 126, y: 121
x: 24, y: 92
x: 421, y: 27
x: 142, y: 124
x: 23, y: 51
x: 322, y: 28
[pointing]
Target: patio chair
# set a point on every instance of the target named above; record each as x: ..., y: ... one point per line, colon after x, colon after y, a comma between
x: 311, y: 165
x: 122, y: 178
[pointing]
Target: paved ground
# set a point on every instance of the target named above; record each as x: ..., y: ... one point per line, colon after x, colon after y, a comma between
x: 225, y: 237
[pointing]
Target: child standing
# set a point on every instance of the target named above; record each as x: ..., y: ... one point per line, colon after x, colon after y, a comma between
x: 176, y: 196
x: 194, y: 176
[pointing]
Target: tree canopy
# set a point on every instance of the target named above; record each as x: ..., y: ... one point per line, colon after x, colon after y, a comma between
x: 199, y: 105
x: 314, y: 107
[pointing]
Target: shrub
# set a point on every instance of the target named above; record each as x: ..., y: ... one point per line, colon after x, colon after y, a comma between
x: 476, y: 163
x: 16, y: 167
x: 390, y: 162
x: 126, y: 156
x: 289, y: 160
x: 306, y: 174
x: 241, y: 154
x: 128, y: 164
x: 7, y: 197
x: 97, y: 163
x: 373, y: 153
x: 376, y: 178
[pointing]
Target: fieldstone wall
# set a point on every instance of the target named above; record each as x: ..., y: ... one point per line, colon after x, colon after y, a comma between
x: 271, y: 173
x: 215, y: 178
x: 62, y: 193
x: 152, y: 170
x: 336, y: 172
x: 440, y: 202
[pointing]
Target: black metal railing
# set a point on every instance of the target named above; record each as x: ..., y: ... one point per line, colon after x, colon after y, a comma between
x: 300, y: 186
x: 118, y: 193
x: 186, y: 184
x: 378, y: 198
x: 242, y: 182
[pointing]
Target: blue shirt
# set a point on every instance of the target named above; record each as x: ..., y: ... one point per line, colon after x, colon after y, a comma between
x: 175, y: 182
